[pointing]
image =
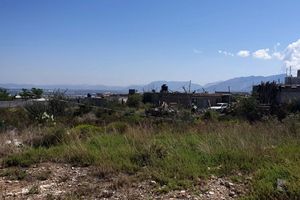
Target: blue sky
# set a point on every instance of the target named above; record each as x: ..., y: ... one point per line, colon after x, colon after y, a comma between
x: 123, y: 42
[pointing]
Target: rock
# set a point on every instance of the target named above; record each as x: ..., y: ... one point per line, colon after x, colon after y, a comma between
x: 47, y: 186
x: 58, y: 192
x: 213, y: 177
x: 281, y: 184
x: 204, y: 189
x: 9, y: 194
x: 231, y: 193
x: 24, y: 191
x: 152, y: 182
x: 211, y: 193
x: 17, y: 143
x: 228, y: 184
x: 222, y: 182
x: 8, y: 142
x: 107, y: 194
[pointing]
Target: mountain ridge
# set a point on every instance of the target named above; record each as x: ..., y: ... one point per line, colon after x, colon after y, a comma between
x: 237, y: 84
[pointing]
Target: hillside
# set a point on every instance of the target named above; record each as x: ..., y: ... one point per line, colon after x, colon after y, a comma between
x: 242, y: 84
x: 239, y: 84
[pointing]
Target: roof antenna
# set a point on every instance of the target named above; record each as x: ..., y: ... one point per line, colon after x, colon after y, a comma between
x: 290, y: 71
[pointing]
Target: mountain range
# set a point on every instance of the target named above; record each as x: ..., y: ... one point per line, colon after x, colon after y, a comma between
x: 240, y: 84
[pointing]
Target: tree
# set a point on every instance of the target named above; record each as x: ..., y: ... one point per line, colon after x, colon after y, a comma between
x: 25, y: 93
x: 248, y: 108
x: 4, y: 95
x: 134, y: 100
x: 58, y: 103
x: 36, y: 92
x: 33, y: 93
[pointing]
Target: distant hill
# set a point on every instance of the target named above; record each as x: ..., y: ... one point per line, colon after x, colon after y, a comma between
x: 70, y: 87
x: 242, y: 84
x: 155, y: 85
x: 172, y: 85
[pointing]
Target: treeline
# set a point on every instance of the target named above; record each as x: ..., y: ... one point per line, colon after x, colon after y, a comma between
x: 33, y: 93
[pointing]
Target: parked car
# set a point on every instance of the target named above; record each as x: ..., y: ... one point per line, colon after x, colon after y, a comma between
x: 220, y: 107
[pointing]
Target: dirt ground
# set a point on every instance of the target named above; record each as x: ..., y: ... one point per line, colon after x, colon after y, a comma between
x: 62, y: 181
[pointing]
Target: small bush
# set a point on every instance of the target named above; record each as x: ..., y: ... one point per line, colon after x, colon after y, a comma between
x: 58, y: 103
x: 43, y: 175
x: 15, y: 117
x: 85, y: 131
x: 118, y: 127
x: 53, y: 136
x: 4, y: 95
x: 210, y: 115
x: 134, y: 100
x: 80, y: 155
x: 34, y: 190
x: 14, y: 173
x: 142, y: 158
x: 36, y: 111
x: 83, y: 109
x: 248, y: 108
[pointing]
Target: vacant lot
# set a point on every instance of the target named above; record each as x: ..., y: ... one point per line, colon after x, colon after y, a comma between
x: 190, y: 160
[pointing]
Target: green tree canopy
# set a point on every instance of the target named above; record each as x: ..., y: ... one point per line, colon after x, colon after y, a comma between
x: 4, y: 95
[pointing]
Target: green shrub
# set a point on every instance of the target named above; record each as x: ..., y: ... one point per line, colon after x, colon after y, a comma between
x: 4, y: 95
x: 34, y: 190
x: 15, y: 117
x: 43, y: 175
x: 134, y: 100
x: 37, y: 111
x: 248, y: 108
x: 85, y: 131
x: 83, y: 109
x: 52, y: 137
x: 117, y: 127
x: 14, y: 173
x: 58, y: 103
x: 210, y: 115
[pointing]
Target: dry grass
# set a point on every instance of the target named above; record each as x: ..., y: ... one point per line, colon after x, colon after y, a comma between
x: 174, y: 154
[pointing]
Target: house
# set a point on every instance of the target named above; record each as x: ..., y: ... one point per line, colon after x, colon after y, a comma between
x: 201, y: 100
x: 273, y: 93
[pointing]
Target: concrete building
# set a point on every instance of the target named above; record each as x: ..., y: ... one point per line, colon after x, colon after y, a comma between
x: 201, y: 100
x: 269, y: 93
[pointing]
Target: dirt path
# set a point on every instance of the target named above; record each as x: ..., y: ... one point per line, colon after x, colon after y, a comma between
x: 62, y: 181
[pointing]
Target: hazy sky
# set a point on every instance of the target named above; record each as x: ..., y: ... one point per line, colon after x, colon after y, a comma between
x: 123, y: 42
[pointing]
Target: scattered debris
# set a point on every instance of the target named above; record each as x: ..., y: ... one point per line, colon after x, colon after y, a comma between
x: 67, y: 180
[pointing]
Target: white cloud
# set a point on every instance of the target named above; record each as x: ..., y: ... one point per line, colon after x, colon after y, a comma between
x: 277, y: 55
x: 197, y: 51
x: 225, y: 53
x: 243, y: 53
x: 262, y: 54
x: 291, y: 57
